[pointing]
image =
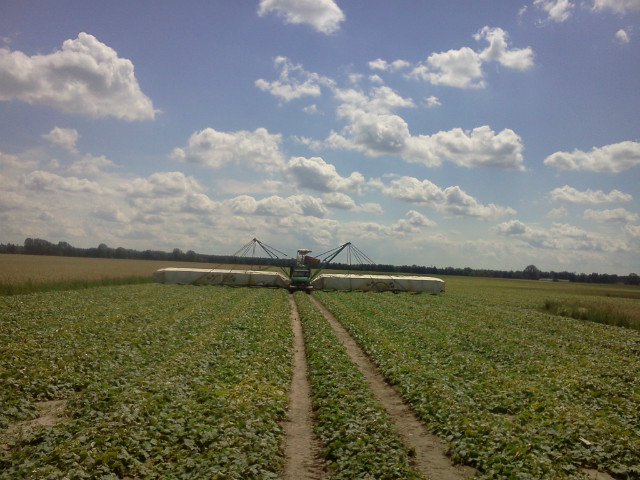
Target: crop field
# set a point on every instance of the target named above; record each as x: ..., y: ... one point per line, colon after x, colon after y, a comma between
x: 514, y: 391
x: 166, y: 381
x: 32, y: 273
x: 158, y: 383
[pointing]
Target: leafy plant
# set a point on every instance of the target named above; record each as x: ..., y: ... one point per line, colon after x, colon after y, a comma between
x: 358, y: 438
x: 162, y: 381
x: 515, y: 392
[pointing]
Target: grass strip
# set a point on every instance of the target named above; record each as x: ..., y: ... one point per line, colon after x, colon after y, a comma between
x: 163, y: 382
x: 515, y: 392
x: 357, y: 435
x: 592, y: 311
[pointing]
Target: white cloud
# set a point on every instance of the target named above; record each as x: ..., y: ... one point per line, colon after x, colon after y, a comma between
x: 85, y: 77
x: 162, y: 184
x: 633, y: 230
x: 462, y: 68
x: 622, y: 37
x: 413, y: 222
x: 314, y: 173
x: 90, y: 165
x: 380, y: 64
x: 498, y: 50
x: 571, y: 195
x: 432, y: 101
x: 616, y: 215
x: 40, y: 180
x: 277, y: 206
x: 563, y: 237
x: 372, y: 128
x: 294, y: 82
x: 339, y: 200
x: 617, y: 6
x: 481, y: 147
x: 257, y: 150
x: 611, y: 158
x: 454, y: 68
x: 343, y: 201
x: 323, y: 15
x: 557, y: 213
x: 557, y: 10
x: 451, y: 200
x: 63, y: 137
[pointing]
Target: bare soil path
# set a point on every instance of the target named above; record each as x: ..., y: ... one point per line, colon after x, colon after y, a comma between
x: 302, y: 460
x: 430, y: 458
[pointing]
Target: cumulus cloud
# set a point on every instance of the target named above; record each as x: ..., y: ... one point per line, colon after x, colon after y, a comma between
x: 323, y: 15
x: 162, y: 184
x: 452, y: 200
x: 258, y: 150
x: 557, y: 213
x: 454, y: 68
x: 374, y: 129
x: 498, y: 50
x: 294, y: 82
x: 560, y: 236
x: 462, y: 68
x: 571, y: 195
x: 617, y: 6
x: 339, y: 200
x: 90, y: 165
x: 622, y: 37
x: 616, y: 215
x: 84, y: 77
x: 277, y: 206
x: 613, y: 158
x: 413, y: 222
x: 380, y: 64
x: 480, y: 147
x: 40, y: 180
x: 556, y: 10
x: 432, y: 101
x: 63, y: 137
x: 316, y: 174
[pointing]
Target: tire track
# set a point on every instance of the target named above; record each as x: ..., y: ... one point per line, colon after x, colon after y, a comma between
x: 301, y: 447
x: 430, y: 458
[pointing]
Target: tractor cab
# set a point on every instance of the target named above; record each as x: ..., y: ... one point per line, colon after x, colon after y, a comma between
x: 300, y: 274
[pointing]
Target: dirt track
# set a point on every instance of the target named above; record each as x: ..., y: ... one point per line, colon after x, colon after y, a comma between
x: 301, y: 446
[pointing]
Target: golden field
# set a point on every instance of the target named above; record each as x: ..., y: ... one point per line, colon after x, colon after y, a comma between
x: 19, y: 269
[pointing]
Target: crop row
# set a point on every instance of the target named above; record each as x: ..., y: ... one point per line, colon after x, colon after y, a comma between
x: 161, y: 382
x: 358, y: 437
x: 517, y: 393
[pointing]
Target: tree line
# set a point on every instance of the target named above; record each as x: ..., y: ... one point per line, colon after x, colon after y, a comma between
x: 38, y: 246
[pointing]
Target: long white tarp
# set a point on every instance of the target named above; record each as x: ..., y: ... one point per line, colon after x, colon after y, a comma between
x: 327, y: 281
x: 203, y: 276
x: 378, y: 283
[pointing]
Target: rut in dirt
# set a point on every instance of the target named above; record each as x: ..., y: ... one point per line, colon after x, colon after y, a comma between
x: 302, y: 458
x: 430, y: 458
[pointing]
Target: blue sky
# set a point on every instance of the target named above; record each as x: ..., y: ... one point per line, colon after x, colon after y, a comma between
x: 484, y: 134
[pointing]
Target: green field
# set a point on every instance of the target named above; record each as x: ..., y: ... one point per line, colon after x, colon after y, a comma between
x: 165, y: 381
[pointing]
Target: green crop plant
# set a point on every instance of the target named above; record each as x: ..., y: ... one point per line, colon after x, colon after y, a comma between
x: 161, y: 382
x: 358, y: 437
x: 517, y: 393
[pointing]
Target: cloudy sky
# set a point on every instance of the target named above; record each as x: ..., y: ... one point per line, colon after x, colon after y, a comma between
x: 464, y: 133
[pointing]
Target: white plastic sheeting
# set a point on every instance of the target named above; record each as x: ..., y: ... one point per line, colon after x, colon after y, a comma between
x: 327, y: 281
x: 203, y: 276
x: 378, y: 283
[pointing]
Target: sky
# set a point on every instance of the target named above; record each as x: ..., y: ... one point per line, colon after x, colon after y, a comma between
x: 482, y: 134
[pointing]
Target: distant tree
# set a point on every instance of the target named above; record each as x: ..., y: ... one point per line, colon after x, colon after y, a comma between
x: 633, y: 279
x: 532, y: 272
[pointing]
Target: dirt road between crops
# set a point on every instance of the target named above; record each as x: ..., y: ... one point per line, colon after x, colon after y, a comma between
x: 302, y: 459
x: 430, y: 458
